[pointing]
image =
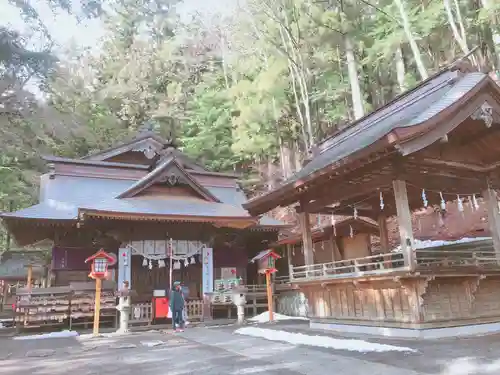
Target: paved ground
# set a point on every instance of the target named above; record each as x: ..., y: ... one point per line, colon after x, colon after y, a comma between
x: 217, y: 350
x: 432, y: 355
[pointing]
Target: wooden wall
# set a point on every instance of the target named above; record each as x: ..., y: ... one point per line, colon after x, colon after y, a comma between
x: 327, y: 250
x: 439, y: 301
x: 356, y: 247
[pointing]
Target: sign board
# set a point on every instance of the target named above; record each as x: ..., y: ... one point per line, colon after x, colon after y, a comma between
x: 207, y: 257
x: 227, y: 272
x: 124, y: 266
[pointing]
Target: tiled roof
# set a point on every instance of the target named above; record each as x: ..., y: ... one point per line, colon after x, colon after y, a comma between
x: 168, y: 206
x: 65, y: 195
x: 412, y: 108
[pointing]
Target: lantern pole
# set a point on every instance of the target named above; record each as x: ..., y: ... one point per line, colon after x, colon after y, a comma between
x: 97, y: 305
x: 269, y: 295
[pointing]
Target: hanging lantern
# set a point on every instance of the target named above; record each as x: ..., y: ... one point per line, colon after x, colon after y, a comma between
x: 443, y: 203
x: 381, y: 201
x: 144, y: 262
x: 424, y: 199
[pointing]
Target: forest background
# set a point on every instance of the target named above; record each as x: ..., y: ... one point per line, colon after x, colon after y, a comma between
x: 250, y: 90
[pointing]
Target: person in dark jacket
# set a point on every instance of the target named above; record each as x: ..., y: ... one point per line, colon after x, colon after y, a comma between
x: 177, y: 306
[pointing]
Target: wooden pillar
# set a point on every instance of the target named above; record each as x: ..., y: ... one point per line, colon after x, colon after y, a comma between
x: 490, y: 197
x: 97, y: 306
x: 404, y: 223
x: 384, y: 233
x: 29, y: 279
x: 289, y: 261
x: 307, y: 243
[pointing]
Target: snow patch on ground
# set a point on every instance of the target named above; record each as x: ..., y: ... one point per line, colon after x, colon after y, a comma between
x: 51, y: 335
x: 419, y: 244
x: 470, y: 366
x: 320, y: 341
x: 264, y: 317
x: 152, y: 344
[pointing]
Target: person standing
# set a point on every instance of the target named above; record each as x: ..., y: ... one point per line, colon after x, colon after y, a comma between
x: 177, y: 306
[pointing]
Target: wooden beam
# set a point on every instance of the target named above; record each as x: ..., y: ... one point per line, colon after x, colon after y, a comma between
x: 346, y: 211
x: 307, y: 243
x: 404, y: 223
x: 454, y: 165
x: 490, y: 196
x: 348, y: 191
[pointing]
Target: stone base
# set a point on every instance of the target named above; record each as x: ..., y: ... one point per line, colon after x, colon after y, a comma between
x: 414, y: 333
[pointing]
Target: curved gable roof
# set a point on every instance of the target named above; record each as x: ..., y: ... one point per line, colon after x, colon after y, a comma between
x: 407, y: 116
x: 169, y: 164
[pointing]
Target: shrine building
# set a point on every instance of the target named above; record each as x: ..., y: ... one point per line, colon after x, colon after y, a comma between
x: 434, y: 146
x: 150, y: 206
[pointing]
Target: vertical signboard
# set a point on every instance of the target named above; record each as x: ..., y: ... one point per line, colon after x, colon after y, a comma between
x: 208, y: 270
x: 124, y: 266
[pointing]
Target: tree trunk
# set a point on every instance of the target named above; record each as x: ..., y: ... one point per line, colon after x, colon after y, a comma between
x: 411, y: 40
x: 494, y: 32
x: 400, y: 69
x: 460, y: 38
x: 352, y: 68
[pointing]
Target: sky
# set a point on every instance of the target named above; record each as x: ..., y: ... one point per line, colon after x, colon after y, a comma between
x: 66, y: 31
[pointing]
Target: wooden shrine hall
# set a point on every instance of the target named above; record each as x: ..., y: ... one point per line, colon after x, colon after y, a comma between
x: 433, y: 146
x: 137, y: 201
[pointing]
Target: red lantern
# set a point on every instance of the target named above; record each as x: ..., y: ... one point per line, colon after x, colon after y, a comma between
x: 100, y: 262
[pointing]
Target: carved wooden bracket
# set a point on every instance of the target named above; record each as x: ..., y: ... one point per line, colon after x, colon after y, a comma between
x: 471, y: 287
x: 415, y: 289
x: 484, y: 113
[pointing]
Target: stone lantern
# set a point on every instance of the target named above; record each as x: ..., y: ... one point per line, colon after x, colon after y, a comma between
x: 124, y: 307
x: 238, y: 296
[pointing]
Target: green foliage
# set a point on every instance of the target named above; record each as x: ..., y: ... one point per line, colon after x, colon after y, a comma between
x: 248, y: 90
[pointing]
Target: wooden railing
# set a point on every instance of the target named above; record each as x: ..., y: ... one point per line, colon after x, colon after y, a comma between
x: 479, y: 256
x: 280, y: 280
x: 141, y: 313
x: 370, y: 265
x: 194, y: 309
